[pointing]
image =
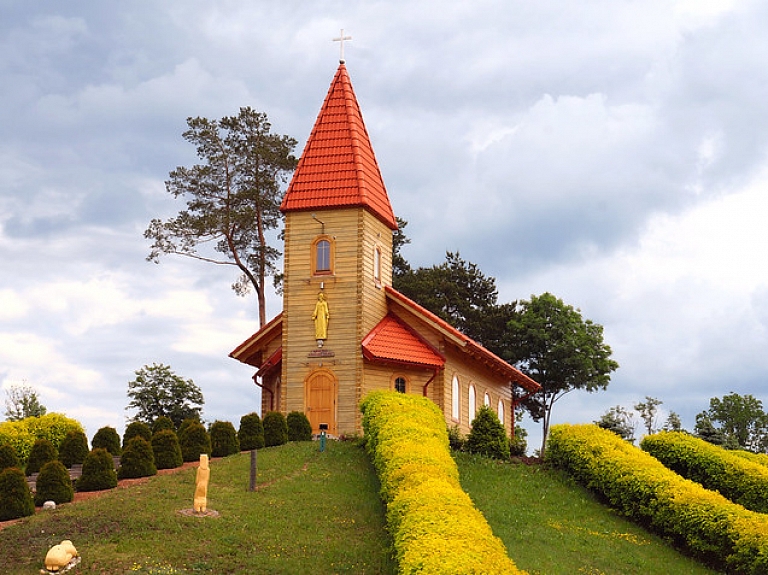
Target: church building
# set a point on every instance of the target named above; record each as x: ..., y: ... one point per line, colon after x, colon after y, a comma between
x: 344, y: 330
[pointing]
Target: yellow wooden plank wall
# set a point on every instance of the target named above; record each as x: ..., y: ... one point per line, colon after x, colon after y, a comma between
x: 355, y: 303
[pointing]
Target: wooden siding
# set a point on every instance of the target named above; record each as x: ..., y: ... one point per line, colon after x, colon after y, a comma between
x: 355, y: 304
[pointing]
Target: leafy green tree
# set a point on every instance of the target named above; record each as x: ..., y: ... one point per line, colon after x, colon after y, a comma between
x: 21, y: 402
x: 648, y: 411
x: 458, y: 292
x: 673, y: 422
x: 620, y: 421
x: 739, y: 418
x: 400, y: 265
x: 233, y: 198
x: 706, y: 430
x: 158, y: 392
x: 551, y: 342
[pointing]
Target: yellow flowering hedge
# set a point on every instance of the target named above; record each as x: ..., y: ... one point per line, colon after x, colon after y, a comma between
x: 711, y: 527
x: 435, y: 526
x: 21, y: 435
x: 742, y: 481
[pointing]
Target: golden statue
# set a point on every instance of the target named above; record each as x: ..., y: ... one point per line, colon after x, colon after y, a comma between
x: 59, y: 556
x: 321, y: 316
x: 201, y: 489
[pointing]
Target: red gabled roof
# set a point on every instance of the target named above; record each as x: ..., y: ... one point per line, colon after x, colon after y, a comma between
x: 466, y: 344
x: 251, y: 350
x: 392, y: 341
x: 338, y: 167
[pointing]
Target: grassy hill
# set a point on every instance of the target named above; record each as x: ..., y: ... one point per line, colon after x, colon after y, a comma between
x: 320, y: 513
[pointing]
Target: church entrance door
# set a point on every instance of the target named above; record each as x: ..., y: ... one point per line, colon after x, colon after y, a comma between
x: 320, y: 399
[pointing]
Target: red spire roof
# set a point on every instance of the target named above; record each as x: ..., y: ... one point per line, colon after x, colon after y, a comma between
x: 338, y: 167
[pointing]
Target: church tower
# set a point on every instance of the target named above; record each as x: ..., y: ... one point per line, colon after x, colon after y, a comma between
x: 338, y: 261
x: 344, y: 330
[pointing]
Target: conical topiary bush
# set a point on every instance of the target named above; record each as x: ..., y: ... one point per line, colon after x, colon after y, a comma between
x: 137, y: 459
x: 42, y: 452
x: 251, y: 432
x: 107, y: 438
x: 275, y: 429
x: 223, y: 439
x: 74, y: 448
x: 8, y: 457
x: 53, y: 484
x: 15, y: 496
x: 137, y: 429
x: 299, y: 428
x: 165, y: 446
x: 194, y: 441
x: 98, y: 471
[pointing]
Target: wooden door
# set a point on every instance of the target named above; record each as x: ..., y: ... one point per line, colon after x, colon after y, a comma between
x: 320, y: 393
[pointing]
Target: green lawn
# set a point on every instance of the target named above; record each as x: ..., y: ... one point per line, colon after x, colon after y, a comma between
x: 320, y: 513
x: 312, y: 513
x: 552, y: 526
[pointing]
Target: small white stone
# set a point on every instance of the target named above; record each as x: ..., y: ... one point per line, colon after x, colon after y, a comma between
x: 49, y: 505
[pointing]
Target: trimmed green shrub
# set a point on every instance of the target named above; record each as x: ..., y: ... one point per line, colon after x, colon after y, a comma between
x: 15, y: 497
x: 137, y: 459
x: 194, y: 440
x: 299, y: 428
x: 708, y: 525
x: 187, y: 422
x: 456, y: 440
x: 98, y: 471
x: 74, y: 448
x: 8, y: 457
x: 161, y: 423
x: 42, y: 452
x: 53, y: 484
x: 223, y: 439
x: 165, y: 446
x: 435, y: 527
x: 251, y: 432
x: 742, y: 481
x: 22, y: 434
x: 518, y: 445
x: 137, y: 429
x: 488, y: 436
x: 107, y: 438
x: 275, y: 429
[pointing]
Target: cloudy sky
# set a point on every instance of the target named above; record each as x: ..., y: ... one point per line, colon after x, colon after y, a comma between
x: 614, y: 153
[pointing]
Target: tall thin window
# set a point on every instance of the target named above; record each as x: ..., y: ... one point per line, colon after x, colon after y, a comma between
x: 455, y: 396
x: 500, y: 411
x: 377, y: 265
x: 323, y: 256
x: 471, y: 404
x: 487, y: 400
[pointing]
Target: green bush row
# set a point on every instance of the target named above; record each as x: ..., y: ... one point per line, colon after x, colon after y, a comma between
x: 21, y: 435
x: 435, y: 526
x: 712, y: 528
x: 742, y: 481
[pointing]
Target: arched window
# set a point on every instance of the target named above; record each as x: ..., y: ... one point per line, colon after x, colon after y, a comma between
x: 486, y: 400
x: 500, y: 411
x: 401, y: 384
x: 472, y: 403
x: 322, y: 256
x: 455, y: 399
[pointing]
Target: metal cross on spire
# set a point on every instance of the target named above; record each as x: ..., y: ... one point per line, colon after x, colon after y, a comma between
x: 341, y: 40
